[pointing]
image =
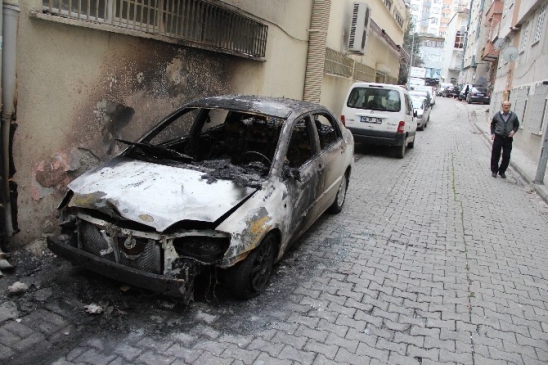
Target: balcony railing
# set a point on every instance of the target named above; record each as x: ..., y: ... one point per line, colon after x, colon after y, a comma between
x: 489, y: 53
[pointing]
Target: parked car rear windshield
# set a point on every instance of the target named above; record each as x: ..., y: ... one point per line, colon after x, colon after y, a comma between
x: 479, y: 90
x: 375, y: 99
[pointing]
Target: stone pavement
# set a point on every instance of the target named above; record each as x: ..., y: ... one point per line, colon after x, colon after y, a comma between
x: 520, y: 161
x: 432, y: 261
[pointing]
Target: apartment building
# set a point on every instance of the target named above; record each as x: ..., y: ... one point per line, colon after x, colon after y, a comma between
x: 453, y: 49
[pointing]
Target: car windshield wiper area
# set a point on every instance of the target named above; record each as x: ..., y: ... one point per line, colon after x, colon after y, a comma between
x: 157, y: 151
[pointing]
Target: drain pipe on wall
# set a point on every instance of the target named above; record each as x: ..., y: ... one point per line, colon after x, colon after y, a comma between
x: 3, y: 197
x: 10, y: 12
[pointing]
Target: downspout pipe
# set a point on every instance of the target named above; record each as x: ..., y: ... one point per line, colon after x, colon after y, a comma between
x: 466, y: 43
x: 10, y: 13
x: 3, y: 197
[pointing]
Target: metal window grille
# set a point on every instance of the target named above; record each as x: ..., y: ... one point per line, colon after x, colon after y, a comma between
x: 364, y: 73
x: 540, y: 23
x: 337, y: 63
x: 398, y: 18
x: 536, y: 110
x: 190, y: 20
x: 524, y: 37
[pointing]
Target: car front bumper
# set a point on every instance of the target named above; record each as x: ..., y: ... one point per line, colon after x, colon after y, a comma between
x: 154, y: 282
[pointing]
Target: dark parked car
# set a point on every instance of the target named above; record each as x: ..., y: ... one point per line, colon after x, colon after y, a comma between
x: 479, y: 95
x: 223, y: 183
x: 452, y: 92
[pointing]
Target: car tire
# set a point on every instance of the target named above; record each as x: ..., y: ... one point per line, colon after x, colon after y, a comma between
x: 338, y: 204
x: 248, y: 278
x: 421, y: 128
x: 400, y: 150
x: 412, y: 144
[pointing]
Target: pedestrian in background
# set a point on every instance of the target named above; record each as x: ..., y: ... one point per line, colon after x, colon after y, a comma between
x: 503, y: 127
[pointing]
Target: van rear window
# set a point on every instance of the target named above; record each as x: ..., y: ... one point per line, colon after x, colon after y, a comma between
x: 374, y: 99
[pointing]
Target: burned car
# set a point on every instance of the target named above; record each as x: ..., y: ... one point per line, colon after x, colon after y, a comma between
x: 223, y: 183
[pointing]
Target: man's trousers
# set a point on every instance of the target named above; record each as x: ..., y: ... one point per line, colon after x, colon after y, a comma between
x: 504, y: 144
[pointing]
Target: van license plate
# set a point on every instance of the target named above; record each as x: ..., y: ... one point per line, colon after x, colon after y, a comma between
x: 371, y: 120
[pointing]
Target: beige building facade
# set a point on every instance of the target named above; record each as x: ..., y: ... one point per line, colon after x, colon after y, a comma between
x: 90, y: 72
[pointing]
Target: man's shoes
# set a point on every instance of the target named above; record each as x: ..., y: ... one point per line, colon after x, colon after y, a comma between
x: 503, y: 175
x: 494, y: 174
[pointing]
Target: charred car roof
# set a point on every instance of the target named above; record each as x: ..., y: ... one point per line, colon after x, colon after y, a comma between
x: 270, y: 106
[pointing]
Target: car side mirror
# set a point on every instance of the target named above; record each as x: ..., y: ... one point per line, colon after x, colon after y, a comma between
x: 414, y: 113
x: 291, y: 172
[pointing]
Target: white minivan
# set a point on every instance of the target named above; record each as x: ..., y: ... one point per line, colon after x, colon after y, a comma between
x: 380, y: 114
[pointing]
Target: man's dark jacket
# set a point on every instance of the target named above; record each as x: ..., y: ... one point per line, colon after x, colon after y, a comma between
x: 503, y: 129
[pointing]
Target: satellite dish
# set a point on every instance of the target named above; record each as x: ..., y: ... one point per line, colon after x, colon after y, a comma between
x: 510, y: 54
x: 499, y: 43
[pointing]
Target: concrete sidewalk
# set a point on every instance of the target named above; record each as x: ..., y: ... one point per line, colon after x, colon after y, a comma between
x: 524, y: 165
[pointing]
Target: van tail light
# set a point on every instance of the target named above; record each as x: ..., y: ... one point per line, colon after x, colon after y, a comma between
x: 343, y: 120
x: 401, y: 127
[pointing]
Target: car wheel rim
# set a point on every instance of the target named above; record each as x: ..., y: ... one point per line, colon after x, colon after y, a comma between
x: 341, y: 194
x: 262, y: 266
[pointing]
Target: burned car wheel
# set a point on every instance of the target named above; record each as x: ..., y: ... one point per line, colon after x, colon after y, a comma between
x: 248, y: 278
x: 337, y: 205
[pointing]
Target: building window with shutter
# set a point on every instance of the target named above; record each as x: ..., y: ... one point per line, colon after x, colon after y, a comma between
x: 540, y: 23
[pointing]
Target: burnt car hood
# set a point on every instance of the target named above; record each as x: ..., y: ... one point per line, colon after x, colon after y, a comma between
x: 153, y: 194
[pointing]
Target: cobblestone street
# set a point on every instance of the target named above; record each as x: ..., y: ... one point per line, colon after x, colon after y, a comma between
x: 432, y: 261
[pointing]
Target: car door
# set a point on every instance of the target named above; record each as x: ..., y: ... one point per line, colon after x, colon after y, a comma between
x: 330, y: 160
x: 301, y: 176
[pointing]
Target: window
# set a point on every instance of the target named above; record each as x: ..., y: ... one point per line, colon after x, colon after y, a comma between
x: 300, y: 149
x: 540, y: 23
x: 374, y: 99
x: 198, y: 21
x: 459, y: 40
x: 327, y: 130
x: 388, y: 4
x: 398, y: 18
x: 434, y: 21
x: 408, y: 105
x: 524, y: 37
x: 507, y: 5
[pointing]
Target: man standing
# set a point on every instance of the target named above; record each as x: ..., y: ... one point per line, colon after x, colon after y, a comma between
x: 503, y: 127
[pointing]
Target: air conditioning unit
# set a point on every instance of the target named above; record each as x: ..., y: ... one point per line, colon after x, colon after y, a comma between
x: 359, y: 27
